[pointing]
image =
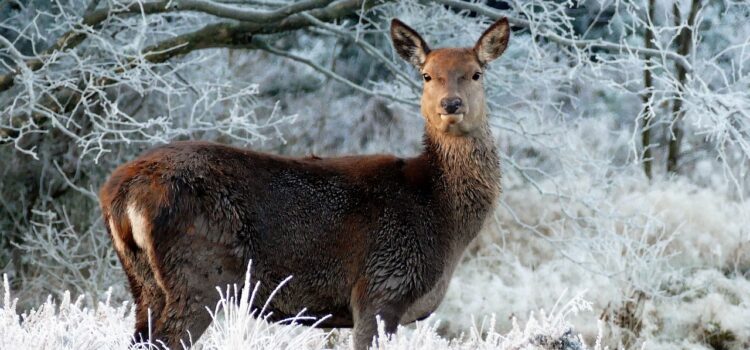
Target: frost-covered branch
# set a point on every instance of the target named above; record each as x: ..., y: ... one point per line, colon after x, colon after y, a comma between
x: 223, y: 35
x: 53, y: 105
x: 589, y: 45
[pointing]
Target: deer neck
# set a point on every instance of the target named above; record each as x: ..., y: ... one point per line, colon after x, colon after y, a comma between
x: 466, y: 178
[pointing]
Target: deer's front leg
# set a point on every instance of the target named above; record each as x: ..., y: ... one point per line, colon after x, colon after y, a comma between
x: 366, y: 307
x: 365, y: 323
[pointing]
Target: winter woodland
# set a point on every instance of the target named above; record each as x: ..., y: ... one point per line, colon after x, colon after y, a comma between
x: 623, y: 125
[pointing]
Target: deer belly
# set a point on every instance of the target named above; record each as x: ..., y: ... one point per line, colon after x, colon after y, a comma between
x: 426, y: 304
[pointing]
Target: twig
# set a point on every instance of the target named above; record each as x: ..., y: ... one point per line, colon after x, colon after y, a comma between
x: 241, y: 14
x: 371, y: 50
x: 265, y: 47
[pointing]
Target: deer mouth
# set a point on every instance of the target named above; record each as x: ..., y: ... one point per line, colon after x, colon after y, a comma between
x: 452, y: 119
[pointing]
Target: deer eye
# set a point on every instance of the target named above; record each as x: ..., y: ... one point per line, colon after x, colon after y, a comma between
x: 426, y: 77
x: 476, y: 76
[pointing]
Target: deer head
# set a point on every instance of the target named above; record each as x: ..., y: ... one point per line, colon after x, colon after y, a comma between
x: 453, y: 100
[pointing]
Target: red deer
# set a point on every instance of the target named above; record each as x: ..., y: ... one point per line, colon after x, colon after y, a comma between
x: 361, y: 235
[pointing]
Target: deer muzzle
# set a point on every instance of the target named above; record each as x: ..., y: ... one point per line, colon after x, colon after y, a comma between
x: 452, y: 119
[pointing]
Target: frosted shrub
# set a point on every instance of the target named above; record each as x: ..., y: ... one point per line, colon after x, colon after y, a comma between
x: 65, y: 324
x: 239, y: 325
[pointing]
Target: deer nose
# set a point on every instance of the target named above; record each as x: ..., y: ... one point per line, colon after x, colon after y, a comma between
x: 451, y: 104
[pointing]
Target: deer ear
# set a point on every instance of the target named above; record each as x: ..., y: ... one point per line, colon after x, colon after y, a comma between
x: 409, y: 45
x: 493, y: 41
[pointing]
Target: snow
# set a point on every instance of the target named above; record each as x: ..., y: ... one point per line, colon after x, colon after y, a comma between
x: 74, y: 325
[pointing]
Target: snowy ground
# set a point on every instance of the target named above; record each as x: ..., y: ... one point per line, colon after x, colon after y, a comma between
x: 674, y: 284
x: 73, y: 325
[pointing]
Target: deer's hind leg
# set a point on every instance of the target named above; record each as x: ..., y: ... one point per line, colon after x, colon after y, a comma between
x: 193, y: 268
x: 149, y: 298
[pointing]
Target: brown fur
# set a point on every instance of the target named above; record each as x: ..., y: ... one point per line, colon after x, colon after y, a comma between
x: 361, y: 235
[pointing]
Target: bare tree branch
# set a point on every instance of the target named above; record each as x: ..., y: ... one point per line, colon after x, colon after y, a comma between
x: 239, y: 35
x: 256, y: 21
x: 241, y: 14
x: 219, y: 35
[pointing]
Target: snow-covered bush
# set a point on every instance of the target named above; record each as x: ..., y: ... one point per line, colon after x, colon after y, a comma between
x: 238, y: 325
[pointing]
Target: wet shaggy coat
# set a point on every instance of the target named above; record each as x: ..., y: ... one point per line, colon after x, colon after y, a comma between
x: 352, y: 231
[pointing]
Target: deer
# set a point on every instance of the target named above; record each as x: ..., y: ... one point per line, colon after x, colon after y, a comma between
x: 364, y: 237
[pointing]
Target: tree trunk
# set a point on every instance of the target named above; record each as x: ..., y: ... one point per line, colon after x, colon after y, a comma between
x: 684, y: 40
x: 646, y: 96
